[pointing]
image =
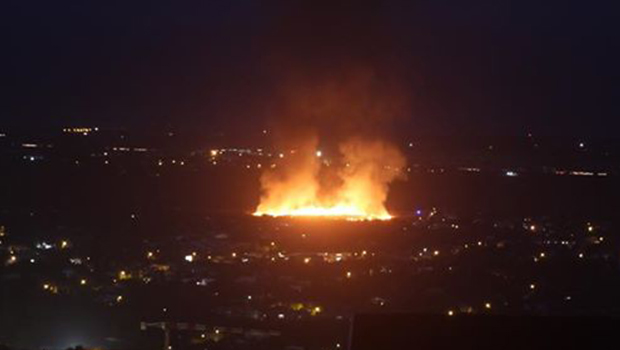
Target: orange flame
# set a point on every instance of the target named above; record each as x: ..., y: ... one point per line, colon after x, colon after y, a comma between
x: 353, y: 187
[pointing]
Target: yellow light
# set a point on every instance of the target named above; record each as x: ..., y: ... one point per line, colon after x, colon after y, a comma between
x: 349, y: 274
x: 306, y: 260
x: 83, y: 282
x: 64, y: 244
x: 214, y: 152
x: 50, y: 288
x: 319, y: 154
x: 450, y: 313
x: 316, y: 310
x: 532, y: 286
x: 487, y: 305
x: 119, y: 298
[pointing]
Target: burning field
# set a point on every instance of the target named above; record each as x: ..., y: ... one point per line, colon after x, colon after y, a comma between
x: 354, y: 185
x: 350, y: 178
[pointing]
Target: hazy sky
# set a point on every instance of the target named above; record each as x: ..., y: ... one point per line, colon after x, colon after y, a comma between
x: 475, y: 66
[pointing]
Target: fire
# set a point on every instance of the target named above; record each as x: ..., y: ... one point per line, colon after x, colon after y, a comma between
x: 354, y: 186
x: 347, y: 211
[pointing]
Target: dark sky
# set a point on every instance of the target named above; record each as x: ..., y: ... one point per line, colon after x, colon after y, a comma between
x: 470, y: 66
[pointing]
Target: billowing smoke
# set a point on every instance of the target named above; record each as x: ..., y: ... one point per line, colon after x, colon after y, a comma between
x: 336, y: 159
x: 370, y: 167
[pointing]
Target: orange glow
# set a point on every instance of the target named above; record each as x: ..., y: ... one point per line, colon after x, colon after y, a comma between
x: 352, y: 187
x: 349, y: 212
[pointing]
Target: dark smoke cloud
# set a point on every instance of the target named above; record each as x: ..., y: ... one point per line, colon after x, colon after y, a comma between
x: 351, y: 99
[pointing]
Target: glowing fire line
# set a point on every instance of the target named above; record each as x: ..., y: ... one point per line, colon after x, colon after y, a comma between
x: 341, y: 211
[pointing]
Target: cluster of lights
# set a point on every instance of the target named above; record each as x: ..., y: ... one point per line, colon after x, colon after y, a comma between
x: 50, y: 288
x: 82, y: 130
x: 124, y: 275
x: 487, y: 306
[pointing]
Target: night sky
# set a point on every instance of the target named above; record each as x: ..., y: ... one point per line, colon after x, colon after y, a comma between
x: 502, y: 67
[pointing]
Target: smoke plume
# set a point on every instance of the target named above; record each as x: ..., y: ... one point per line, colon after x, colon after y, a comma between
x: 336, y: 160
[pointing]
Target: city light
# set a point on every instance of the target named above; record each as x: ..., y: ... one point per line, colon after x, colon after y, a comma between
x: 123, y: 275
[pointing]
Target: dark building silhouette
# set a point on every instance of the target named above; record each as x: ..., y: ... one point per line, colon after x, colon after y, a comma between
x: 436, y: 332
